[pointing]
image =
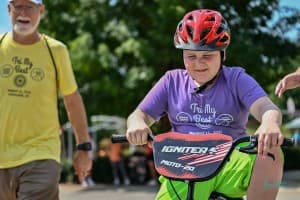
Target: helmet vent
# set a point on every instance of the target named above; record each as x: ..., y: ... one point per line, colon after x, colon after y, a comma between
x: 190, y: 18
x: 220, y: 30
x: 204, y: 33
x: 224, y: 39
x: 190, y: 31
x: 180, y: 27
x: 211, y: 19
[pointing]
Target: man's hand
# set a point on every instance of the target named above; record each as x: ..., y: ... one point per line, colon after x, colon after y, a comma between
x: 82, y: 164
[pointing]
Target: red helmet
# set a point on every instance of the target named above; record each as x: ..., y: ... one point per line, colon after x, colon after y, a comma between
x: 202, y: 30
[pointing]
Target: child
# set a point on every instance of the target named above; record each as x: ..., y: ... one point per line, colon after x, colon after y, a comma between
x: 209, y: 97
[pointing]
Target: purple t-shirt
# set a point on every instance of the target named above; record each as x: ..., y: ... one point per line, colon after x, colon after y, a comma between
x: 223, y: 108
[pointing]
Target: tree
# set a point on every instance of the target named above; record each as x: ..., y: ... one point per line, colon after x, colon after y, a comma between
x: 119, y: 48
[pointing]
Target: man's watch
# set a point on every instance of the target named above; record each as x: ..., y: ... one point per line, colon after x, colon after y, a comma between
x: 87, y: 146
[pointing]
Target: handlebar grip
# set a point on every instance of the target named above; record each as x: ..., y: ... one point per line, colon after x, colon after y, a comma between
x: 288, y: 142
x: 118, y: 138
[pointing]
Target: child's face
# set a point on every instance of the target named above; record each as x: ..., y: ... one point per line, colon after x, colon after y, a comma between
x: 202, y: 65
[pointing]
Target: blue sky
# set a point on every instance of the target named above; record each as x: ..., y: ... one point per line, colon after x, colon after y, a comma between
x: 4, y: 18
x: 5, y: 22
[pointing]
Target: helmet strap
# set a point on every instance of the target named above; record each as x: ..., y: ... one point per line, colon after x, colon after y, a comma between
x: 222, y: 56
x: 205, y: 85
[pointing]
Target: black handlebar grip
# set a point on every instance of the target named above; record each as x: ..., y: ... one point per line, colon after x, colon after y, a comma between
x: 118, y: 138
x: 288, y: 142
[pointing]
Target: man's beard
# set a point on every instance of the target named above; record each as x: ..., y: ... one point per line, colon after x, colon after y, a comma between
x: 25, y: 29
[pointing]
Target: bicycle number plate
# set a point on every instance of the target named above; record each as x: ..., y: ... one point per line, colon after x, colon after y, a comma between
x: 190, y: 157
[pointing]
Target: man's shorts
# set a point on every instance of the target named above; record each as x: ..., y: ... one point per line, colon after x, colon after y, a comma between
x: 35, y: 180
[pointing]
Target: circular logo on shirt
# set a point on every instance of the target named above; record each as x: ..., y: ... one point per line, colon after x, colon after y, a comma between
x: 183, y: 117
x: 37, y: 74
x: 20, y: 80
x: 6, y: 71
x: 224, y: 120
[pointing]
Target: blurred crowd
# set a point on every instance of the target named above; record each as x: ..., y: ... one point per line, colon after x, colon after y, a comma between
x: 128, y: 164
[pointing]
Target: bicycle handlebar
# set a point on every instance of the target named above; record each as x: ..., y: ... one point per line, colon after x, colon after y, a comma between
x: 253, y: 142
x: 121, y: 138
x: 253, y: 139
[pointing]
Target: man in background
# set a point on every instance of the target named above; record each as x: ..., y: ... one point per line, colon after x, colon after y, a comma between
x: 33, y: 69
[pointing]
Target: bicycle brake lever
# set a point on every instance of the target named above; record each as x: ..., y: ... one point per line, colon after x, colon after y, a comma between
x: 251, y: 148
x: 249, y: 151
x: 150, y: 137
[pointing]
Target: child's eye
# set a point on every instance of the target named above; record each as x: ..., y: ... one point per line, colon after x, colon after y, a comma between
x: 192, y: 57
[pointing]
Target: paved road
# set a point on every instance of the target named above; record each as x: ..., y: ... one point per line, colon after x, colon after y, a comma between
x: 107, y: 192
x: 290, y: 190
x: 290, y: 187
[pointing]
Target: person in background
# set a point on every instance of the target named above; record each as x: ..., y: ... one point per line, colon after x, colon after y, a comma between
x: 290, y: 81
x: 205, y: 96
x: 114, y: 151
x: 33, y: 69
x: 151, y: 167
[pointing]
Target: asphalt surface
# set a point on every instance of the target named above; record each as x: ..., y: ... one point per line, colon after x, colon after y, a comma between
x: 289, y: 190
x: 107, y: 192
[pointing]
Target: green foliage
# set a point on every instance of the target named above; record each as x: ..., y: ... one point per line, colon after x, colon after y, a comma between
x: 67, y: 171
x: 120, y: 48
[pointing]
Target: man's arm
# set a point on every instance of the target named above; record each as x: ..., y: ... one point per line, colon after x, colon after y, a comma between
x: 77, y: 116
x: 290, y: 81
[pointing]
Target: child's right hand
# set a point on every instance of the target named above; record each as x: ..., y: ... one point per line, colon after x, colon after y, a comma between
x: 138, y: 135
